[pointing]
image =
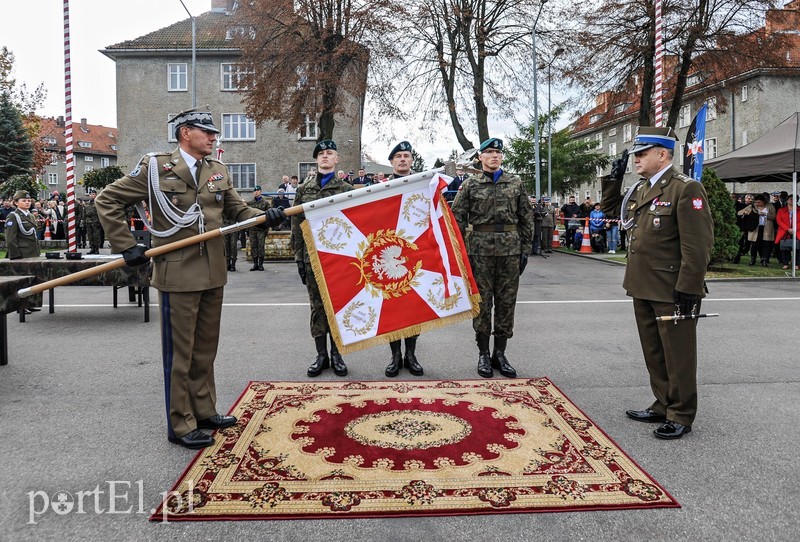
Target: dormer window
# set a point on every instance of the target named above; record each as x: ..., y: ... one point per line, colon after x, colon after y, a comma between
x: 85, y: 144
x: 694, y: 79
x: 240, y: 32
x: 594, y: 118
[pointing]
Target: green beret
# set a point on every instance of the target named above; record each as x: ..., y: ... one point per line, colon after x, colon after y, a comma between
x: 257, y: 187
x: 492, y: 143
x: 325, y: 144
x: 402, y: 146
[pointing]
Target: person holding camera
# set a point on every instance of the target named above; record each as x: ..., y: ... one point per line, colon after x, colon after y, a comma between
x: 671, y: 236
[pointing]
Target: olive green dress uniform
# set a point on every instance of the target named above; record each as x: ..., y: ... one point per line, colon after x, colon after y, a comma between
x: 21, y: 241
x: 258, y: 236
x: 669, y: 247
x: 502, y: 228
x: 311, y: 190
x: 190, y: 280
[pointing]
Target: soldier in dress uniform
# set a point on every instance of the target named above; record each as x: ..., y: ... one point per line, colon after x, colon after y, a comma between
x: 186, y: 194
x: 21, y: 240
x: 498, y: 208
x: 323, y: 185
x: 671, y: 234
x: 401, y: 158
x: 258, y: 236
x: 94, y: 231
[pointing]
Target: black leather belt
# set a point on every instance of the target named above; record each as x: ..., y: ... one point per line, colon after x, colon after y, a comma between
x: 495, y: 227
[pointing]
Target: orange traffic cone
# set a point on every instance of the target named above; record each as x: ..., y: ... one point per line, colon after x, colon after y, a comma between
x: 133, y: 225
x: 586, y: 244
x: 556, y: 239
x: 47, y: 236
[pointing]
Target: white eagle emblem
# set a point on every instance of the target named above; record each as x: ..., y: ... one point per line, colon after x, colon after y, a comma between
x: 390, y: 263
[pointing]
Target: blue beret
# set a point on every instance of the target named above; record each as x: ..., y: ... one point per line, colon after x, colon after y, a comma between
x: 402, y: 146
x: 325, y: 144
x: 492, y: 143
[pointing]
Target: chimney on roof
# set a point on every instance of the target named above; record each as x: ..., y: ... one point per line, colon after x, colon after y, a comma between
x: 84, y: 126
x: 603, y: 98
x: 224, y: 6
x: 60, y: 121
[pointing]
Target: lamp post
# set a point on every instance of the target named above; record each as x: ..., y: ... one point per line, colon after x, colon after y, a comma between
x: 536, y: 143
x: 558, y: 52
x: 194, y: 56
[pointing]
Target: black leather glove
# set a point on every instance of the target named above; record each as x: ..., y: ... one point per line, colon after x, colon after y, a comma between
x: 135, y: 255
x: 685, y: 304
x: 301, y: 270
x: 618, y: 166
x: 275, y: 217
x: 523, y: 262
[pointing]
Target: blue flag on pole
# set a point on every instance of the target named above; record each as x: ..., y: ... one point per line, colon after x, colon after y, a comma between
x: 694, y: 146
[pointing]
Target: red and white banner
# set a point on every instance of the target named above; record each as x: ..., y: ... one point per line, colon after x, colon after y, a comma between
x: 390, y: 261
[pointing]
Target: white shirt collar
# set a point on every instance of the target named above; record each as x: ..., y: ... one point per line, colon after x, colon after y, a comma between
x: 654, y: 179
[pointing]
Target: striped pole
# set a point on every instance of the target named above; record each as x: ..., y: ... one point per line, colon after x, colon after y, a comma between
x: 72, y: 244
x: 659, y: 121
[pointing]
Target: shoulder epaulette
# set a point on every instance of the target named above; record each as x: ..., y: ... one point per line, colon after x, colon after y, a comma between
x: 214, y: 160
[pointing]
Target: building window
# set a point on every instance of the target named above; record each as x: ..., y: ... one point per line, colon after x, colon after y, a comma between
x: 598, y: 137
x: 52, y: 178
x: 171, y: 128
x: 711, y: 112
x: 177, y: 77
x: 594, y: 118
x: 694, y: 79
x: 627, y: 130
x: 87, y: 169
x: 240, y: 32
x: 303, y: 168
x: 105, y: 162
x: 88, y: 158
x: 587, y: 194
x: 685, y: 117
x: 744, y: 138
x: 113, y: 147
x: 85, y: 144
x: 52, y: 141
x: 744, y: 93
x: 612, y: 150
x: 309, y: 129
x: 238, y: 127
x: 233, y: 76
x: 612, y: 132
x: 710, y: 149
x: 243, y: 176
x: 53, y: 159
x: 629, y: 167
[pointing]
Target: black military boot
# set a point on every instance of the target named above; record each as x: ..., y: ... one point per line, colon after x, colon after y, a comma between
x: 393, y: 369
x: 261, y: 264
x: 499, y: 360
x: 233, y: 264
x: 410, y: 360
x: 322, y: 362
x: 339, y: 368
x: 484, y: 360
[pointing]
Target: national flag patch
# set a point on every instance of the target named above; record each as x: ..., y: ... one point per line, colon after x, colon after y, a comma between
x: 697, y: 203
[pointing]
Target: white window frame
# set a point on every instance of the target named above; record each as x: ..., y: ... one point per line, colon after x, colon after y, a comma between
x: 309, y: 131
x: 710, y: 148
x: 87, y: 169
x: 177, y: 77
x: 711, y: 110
x: 171, y: 128
x: 52, y: 179
x: 53, y: 159
x: 243, y: 176
x: 88, y: 158
x: 627, y: 132
x: 303, y: 168
x: 85, y: 144
x: 745, y: 139
x: 105, y: 162
x: 685, y: 116
x: 612, y: 132
x: 238, y: 127
x: 744, y: 93
x: 612, y: 150
x: 231, y: 75
x: 598, y: 137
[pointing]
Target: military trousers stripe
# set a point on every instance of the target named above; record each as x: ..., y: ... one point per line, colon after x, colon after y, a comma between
x: 670, y: 353
x: 189, y: 340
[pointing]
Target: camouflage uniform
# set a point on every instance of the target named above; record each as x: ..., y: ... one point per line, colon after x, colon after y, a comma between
x: 231, y: 245
x: 80, y: 220
x: 258, y: 236
x: 94, y: 231
x: 310, y: 190
x: 503, y: 207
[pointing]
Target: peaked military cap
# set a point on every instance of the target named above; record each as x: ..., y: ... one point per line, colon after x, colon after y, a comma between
x: 651, y: 136
x: 402, y: 146
x: 91, y: 191
x: 324, y: 145
x: 21, y: 194
x: 492, y: 143
x: 195, y: 117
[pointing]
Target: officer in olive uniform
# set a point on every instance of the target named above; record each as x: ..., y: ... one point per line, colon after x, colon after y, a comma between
x: 671, y: 234
x: 323, y: 185
x: 258, y: 236
x: 401, y: 157
x: 189, y: 194
x: 94, y: 231
x: 21, y: 240
x: 498, y: 208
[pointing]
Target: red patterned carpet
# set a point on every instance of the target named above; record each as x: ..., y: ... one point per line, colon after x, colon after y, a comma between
x: 380, y: 449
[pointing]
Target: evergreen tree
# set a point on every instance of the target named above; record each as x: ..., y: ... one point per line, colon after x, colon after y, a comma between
x: 419, y: 163
x: 16, y: 150
x: 726, y: 232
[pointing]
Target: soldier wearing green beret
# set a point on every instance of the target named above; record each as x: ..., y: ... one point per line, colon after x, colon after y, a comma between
x: 497, y: 207
x: 323, y: 185
x: 258, y: 236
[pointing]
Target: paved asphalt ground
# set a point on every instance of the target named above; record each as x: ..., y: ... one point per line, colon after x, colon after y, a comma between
x: 82, y: 405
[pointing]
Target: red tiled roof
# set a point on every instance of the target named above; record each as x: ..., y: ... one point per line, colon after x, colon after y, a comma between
x: 211, y: 29
x: 101, y: 137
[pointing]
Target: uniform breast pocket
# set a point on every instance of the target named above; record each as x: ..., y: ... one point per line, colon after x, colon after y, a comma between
x: 174, y: 189
x: 660, y: 219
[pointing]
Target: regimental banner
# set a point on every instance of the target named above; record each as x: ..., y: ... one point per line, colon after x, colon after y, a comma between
x: 693, y: 148
x: 390, y: 261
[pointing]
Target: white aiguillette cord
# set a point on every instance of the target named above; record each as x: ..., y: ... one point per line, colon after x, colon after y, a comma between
x: 175, y: 216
